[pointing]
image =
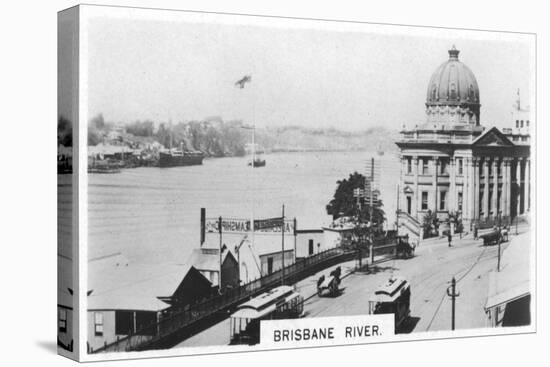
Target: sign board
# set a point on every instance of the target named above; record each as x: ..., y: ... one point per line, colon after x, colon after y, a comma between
x: 231, y: 225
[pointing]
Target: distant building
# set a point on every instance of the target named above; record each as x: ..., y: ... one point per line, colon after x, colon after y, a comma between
x: 519, y: 131
x: 129, y: 299
x: 65, y: 301
x: 207, y: 262
x: 451, y: 163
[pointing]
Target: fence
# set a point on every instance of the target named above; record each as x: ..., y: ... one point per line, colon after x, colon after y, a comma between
x: 172, y: 326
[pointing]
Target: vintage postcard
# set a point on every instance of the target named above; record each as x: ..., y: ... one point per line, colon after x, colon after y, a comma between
x: 236, y: 183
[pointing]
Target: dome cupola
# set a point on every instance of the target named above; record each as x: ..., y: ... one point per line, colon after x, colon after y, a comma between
x: 453, y: 93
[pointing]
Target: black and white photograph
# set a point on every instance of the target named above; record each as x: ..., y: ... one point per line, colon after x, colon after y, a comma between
x: 252, y: 183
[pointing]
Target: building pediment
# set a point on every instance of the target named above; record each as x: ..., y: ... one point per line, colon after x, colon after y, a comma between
x: 492, y: 138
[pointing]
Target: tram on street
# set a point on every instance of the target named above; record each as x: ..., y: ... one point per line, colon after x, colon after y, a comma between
x: 392, y: 297
x: 279, y: 303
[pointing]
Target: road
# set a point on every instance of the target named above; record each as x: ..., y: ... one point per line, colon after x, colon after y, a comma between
x: 429, y: 273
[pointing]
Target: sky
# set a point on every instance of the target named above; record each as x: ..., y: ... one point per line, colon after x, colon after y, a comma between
x: 312, y: 74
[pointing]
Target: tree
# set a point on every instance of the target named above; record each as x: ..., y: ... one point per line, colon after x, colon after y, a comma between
x: 456, y: 218
x: 64, y: 132
x: 345, y: 204
x: 98, y: 121
x: 430, y: 224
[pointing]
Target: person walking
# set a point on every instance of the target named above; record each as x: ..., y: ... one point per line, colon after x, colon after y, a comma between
x: 449, y: 238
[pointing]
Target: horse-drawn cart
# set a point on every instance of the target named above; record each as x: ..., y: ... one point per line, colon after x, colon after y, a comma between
x: 492, y: 238
x: 403, y: 247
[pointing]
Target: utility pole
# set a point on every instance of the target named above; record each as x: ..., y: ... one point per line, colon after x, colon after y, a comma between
x: 283, y: 246
x: 498, y: 262
x: 371, y: 214
x: 451, y: 292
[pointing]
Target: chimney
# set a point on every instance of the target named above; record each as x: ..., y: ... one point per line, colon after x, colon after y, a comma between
x: 203, y: 225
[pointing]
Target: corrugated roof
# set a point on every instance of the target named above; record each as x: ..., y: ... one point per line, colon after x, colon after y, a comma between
x: 120, y: 285
x: 513, y: 280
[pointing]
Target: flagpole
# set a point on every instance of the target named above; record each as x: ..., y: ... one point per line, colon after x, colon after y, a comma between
x: 220, y: 274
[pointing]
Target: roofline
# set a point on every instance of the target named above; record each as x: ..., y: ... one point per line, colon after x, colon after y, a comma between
x: 298, y: 231
x: 124, y: 309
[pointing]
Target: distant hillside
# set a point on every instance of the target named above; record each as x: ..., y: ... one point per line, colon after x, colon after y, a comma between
x: 294, y: 138
x: 218, y: 138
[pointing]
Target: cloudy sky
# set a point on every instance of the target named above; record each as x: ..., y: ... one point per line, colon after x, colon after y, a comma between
x: 314, y: 74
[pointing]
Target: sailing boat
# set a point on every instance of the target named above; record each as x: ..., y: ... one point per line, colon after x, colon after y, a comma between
x: 257, y: 161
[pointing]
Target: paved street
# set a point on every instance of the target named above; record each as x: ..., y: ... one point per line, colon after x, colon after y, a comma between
x: 429, y: 274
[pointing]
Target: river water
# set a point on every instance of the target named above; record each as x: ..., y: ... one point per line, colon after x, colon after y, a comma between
x: 152, y: 215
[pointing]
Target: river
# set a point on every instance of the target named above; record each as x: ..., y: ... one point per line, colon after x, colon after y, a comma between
x: 152, y: 215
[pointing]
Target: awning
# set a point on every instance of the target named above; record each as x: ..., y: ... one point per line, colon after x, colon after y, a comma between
x: 513, y: 280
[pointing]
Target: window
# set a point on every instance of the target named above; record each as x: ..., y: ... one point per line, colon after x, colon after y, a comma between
x: 459, y: 201
x: 442, y: 200
x: 409, y: 205
x: 98, y: 323
x: 443, y: 167
x: 517, y: 123
x: 521, y: 123
x: 460, y: 167
x: 453, y: 91
x: 425, y: 168
x: 62, y: 320
x: 424, y: 200
x: 527, y: 123
x: 311, y: 247
x: 409, y: 165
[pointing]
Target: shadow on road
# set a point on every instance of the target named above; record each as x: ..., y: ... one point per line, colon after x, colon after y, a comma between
x: 380, y: 269
x: 408, y: 326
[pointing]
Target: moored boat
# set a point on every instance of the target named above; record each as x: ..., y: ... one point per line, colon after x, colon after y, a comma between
x: 175, y: 158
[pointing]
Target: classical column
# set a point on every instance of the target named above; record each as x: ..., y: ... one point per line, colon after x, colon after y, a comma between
x: 452, y: 185
x: 526, y: 183
x: 417, y: 195
x: 465, y: 188
x: 503, y: 202
x: 435, y: 166
x: 494, y: 205
x: 486, y: 187
x: 475, y: 189
x: 518, y: 185
x: 509, y: 187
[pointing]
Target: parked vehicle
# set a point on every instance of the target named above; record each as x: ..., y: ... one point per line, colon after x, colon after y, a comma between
x: 403, y: 247
x: 279, y: 303
x: 392, y: 297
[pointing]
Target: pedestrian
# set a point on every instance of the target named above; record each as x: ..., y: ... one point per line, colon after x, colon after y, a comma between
x: 449, y: 238
x: 475, y: 232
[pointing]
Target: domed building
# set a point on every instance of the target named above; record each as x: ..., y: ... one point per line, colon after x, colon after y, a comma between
x: 451, y: 165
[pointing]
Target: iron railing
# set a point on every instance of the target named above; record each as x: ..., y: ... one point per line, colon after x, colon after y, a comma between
x: 171, y: 323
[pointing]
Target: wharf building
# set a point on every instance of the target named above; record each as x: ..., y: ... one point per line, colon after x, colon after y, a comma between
x: 452, y: 164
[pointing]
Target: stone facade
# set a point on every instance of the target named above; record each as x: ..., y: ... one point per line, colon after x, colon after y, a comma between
x: 452, y: 164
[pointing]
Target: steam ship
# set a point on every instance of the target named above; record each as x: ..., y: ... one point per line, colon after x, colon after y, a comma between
x: 181, y: 157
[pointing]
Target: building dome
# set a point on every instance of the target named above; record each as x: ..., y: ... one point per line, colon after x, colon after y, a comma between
x: 453, y: 93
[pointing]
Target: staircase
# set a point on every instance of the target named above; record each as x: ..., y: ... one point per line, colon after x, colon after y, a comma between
x: 409, y: 225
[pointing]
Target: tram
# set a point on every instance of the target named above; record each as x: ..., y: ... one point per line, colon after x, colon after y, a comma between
x: 392, y: 297
x: 279, y: 303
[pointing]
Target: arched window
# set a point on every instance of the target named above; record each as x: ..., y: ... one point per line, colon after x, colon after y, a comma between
x: 434, y: 91
x: 472, y: 93
x: 453, y: 91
